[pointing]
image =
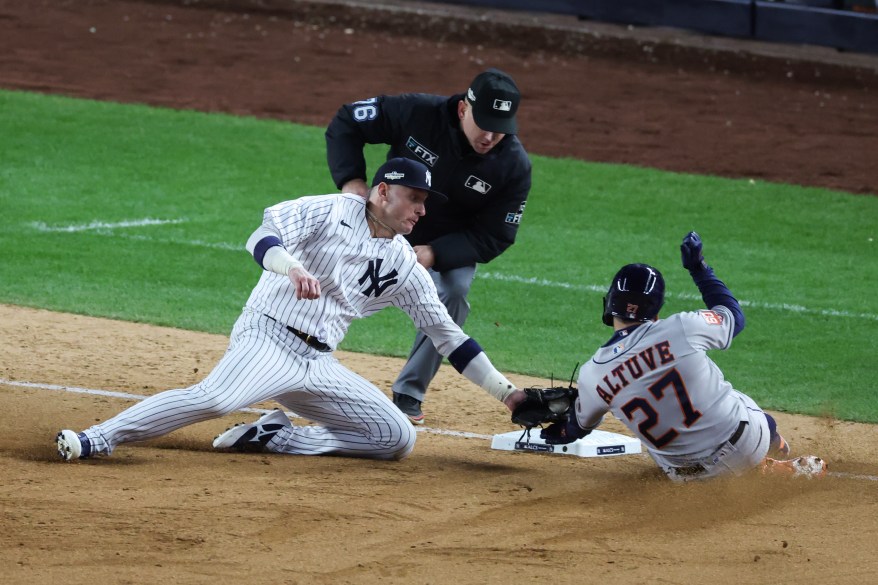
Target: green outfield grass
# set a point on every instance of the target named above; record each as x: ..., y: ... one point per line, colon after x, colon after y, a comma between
x: 141, y: 214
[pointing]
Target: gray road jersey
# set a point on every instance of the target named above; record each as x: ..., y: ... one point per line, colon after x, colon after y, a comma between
x: 660, y: 383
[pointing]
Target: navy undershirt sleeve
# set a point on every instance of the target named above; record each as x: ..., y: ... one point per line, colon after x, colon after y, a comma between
x: 714, y: 292
x: 463, y: 355
x: 262, y: 247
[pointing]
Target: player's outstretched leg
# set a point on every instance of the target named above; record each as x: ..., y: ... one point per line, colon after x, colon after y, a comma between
x: 253, y: 437
x: 778, y: 448
x: 351, y: 417
x: 72, y: 446
x: 254, y: 347
x: 808, y: 466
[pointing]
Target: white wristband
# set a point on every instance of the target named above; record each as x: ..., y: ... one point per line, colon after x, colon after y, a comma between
x: 481, y: 371
x: 280, y: 261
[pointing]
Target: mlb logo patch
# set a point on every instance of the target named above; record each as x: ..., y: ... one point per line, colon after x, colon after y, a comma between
x: 503, y: 105
x: 712, y: 318
x: 477, y: 184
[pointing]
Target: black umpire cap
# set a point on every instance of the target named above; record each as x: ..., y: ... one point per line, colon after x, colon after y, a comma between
x: 408, y: 172
x: 494, y: 98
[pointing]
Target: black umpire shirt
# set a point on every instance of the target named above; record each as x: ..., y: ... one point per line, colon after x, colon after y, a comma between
x: 486, y: 193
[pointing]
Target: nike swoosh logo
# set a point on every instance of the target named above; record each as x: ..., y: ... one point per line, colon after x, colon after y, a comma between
x: 346, y: 225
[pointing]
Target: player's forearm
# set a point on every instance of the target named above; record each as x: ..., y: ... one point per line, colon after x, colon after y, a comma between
x: 467, y: 357
x: 268, y: 251
x: 471, y: 361
x: 714, y: 292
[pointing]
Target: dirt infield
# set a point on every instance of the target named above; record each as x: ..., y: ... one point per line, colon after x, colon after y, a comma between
x: 174, y: 511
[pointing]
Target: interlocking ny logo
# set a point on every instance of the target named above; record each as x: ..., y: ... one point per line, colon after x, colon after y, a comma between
x: 377, y: 283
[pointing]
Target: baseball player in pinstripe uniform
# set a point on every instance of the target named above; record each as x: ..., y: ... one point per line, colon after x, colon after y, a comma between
x: 328, y: 260
x: 655, y: 376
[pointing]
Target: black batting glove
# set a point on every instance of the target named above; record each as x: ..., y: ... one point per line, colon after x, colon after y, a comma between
x: 691, y: 254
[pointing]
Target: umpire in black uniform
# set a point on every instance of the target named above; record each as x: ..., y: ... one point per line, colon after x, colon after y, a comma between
x: 469, y: 143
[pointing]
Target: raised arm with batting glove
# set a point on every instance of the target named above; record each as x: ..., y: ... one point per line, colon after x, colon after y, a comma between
x: 713, y: 291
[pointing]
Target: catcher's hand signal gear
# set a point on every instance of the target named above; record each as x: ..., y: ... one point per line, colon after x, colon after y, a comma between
x: 636, y: 294
x: 544, y: 405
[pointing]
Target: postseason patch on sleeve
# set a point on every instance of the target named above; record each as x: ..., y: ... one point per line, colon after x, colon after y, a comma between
x: 712, y: 317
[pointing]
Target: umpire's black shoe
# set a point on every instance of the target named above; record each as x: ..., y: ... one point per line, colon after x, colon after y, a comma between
x: 253, y: 437
x: 409, y: 406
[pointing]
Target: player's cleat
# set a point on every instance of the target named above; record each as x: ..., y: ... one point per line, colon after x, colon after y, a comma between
x: 779, y: 447
x: 409, y: 406
x: 72, y: 446
x: 253, y: 437
x: 808, y: 466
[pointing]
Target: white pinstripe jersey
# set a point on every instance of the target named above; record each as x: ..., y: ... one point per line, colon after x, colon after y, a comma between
x: 660, y: 383
x: 359, y: 275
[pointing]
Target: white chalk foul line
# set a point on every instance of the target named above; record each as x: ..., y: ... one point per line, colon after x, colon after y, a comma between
x: 100, y: 228
x: 101, y: 225
x: 176, y: 242
x: 463, y: 434
x: 687, y: 296
x: 851, y: 475
x: 103, y: 228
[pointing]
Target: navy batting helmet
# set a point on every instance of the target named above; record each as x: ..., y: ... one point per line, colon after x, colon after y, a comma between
x: 637, y: 294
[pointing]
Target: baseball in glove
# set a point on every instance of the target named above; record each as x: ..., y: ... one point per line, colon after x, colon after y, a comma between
x: 544, y: 406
